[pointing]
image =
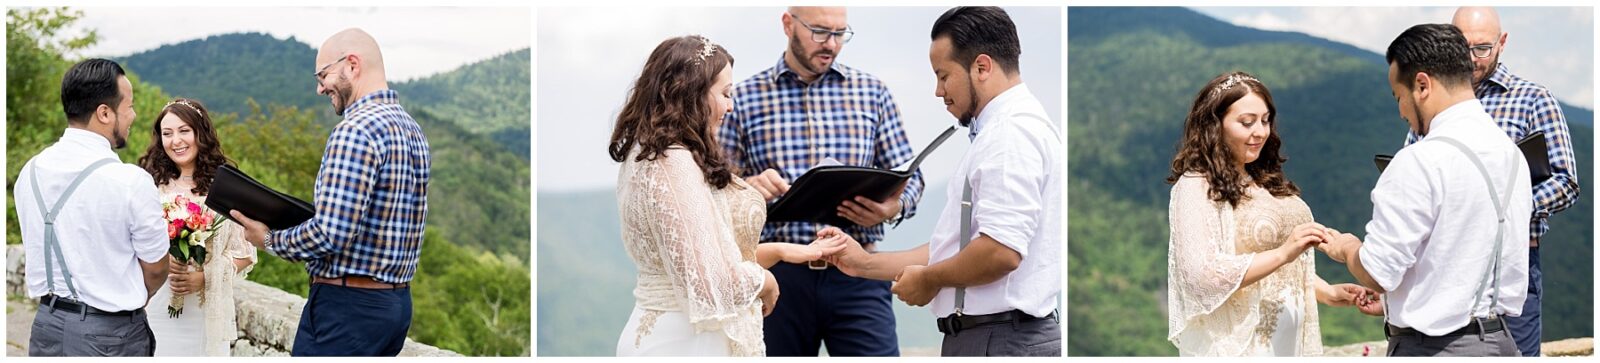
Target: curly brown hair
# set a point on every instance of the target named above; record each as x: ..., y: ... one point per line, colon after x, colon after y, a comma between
x: 1203, y: 151
x: 668, y: 106
x: 208, y: 156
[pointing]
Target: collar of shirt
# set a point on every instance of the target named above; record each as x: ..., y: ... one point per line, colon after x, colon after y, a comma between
x: 1452, y: 116
x: 1501, y: 77
x: 88, y: 141
x: 379, y: 97
x: 997, y: 106
x: 783, y: 69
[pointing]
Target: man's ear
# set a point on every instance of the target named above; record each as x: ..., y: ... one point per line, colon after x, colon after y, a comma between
x: 356, y: 65
x: 787, y: 20
x: 1423, y: 86
x: 982, y: 67
x: 104, y: 114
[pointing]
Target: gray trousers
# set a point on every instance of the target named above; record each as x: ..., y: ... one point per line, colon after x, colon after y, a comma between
x: 1496, y: 344
x: 1038, y: 338
x: 62, y: 333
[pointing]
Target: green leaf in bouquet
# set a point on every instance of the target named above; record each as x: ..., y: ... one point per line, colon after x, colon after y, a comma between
x: 199, y: 254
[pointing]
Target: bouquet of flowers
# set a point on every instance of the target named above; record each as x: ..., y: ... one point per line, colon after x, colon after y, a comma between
x: 190, y: 227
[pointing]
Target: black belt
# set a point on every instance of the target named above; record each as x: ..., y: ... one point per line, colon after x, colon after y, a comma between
x: 1475, y: 326
x: 952, y: 324
x: 61, y: 303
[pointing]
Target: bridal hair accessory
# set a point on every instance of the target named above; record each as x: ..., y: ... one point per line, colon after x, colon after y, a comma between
x: 1233, y: 80
x: 706, y: 50
x: 185, y: 103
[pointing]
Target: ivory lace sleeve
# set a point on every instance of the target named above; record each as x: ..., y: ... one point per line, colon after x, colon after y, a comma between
x: 1203, y: 270
x: 698, y: 251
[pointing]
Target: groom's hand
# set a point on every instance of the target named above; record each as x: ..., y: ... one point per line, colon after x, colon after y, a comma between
x: 867, y: 212
x: 912, y: 287
x: 1340, y: 247
x: 254, y: 232
x: 851, y: 257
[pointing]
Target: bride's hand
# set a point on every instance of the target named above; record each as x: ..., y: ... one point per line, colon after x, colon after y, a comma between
x: 818, y: 249
x: 1303, y: 237
x: 769, y: 294
x: 188, y: 282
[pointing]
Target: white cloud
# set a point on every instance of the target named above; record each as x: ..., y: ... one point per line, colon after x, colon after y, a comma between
x: 416, y: 41
x: 1548, y: 45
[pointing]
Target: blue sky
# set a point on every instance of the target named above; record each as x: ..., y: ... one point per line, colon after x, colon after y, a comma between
x: 588, y: 57
x: 1552, y: 46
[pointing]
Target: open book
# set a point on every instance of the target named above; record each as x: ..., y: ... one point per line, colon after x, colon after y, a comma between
x: 1533, y: 148
x: 815, y: 196
x: 232, y: 189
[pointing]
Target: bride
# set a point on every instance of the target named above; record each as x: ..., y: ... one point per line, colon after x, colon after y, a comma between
x: 690, y: 225
x: 1240, y: 279
x: 183, y: 156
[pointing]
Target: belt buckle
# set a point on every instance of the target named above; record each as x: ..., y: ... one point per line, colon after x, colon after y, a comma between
x: 818, y: 265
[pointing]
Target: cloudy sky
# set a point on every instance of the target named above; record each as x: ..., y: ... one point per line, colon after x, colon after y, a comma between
x: 1553, y: 46
x: 416, y: 41
x: 587, y: 59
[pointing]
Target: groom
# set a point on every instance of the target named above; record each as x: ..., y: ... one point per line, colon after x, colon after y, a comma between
x: 92, y: 233
x: 992, y: 271
x: 361, y: 248
x: 1445, y: 247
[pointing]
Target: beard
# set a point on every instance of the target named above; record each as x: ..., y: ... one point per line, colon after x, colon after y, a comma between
x: 341, y: 94
x: 120, y: 139
x: 1493, y: 64
x: 972, y: 104
x: 804, y: 58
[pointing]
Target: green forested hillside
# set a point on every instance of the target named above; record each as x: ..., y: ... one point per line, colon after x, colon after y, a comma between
x: 491, y: 98
x: 1133, y: 73
x: 472, y: 289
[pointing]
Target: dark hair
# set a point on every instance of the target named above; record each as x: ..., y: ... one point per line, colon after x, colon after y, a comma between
x: 87, y: 85
x: 1436, y: 49
x: 975, y: 30
x: 667, y: 106
x: 208, y: 149
x: 1202, y: 148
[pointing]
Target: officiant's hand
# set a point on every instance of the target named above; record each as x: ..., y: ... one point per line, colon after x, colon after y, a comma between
x: 187, y: 282
x: 254, y: 232
x: 769, y: 183
x: 912, y: 287
x: 867, y: 212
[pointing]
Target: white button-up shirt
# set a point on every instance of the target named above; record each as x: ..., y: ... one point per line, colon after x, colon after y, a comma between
x: 112, y: 222
x: 1430, y: 241
x: 1015, y: 167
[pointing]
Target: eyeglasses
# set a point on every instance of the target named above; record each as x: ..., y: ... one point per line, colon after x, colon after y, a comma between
x: 821, y: 35
x: 323, y: 71
x: 1482, y: 50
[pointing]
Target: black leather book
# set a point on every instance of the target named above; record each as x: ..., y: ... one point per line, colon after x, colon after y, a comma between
x: 1533, y: 148
x: 815, y: 196
x: 232, y: 189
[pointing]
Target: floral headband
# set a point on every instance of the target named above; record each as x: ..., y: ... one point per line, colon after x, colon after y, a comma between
x: 185, y: 103
x: 707, y: 49
x: 1233, y: 80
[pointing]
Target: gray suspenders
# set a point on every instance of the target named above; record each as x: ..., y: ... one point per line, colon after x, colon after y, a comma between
x: 966, y: 237
x: 1493, y: 274
x: 52, y: 246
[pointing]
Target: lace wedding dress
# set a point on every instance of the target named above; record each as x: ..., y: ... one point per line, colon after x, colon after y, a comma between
x: 207, y: 326
x: 694, y: 246
x: 1208, y: 314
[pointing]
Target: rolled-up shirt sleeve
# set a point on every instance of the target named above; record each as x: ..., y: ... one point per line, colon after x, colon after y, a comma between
x: 1008, y: 189
x: 1403, y: 215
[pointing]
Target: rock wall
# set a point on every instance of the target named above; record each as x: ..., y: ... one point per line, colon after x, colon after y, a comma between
x: 268, y: 317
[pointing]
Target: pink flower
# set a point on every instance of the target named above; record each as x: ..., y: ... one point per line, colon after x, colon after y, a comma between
x: 174, y: 228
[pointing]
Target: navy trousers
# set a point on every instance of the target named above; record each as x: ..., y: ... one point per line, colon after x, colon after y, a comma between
x: 853, y: 316
x: 1527, y: 329
x: 347, y: 321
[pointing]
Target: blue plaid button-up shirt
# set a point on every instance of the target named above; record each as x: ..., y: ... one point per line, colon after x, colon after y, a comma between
x: 779, y: 122
x: 371, y: 197
x: 1520, y: 108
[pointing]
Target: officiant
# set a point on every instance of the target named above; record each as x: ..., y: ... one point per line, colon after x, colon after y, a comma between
x: 371, y: 196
